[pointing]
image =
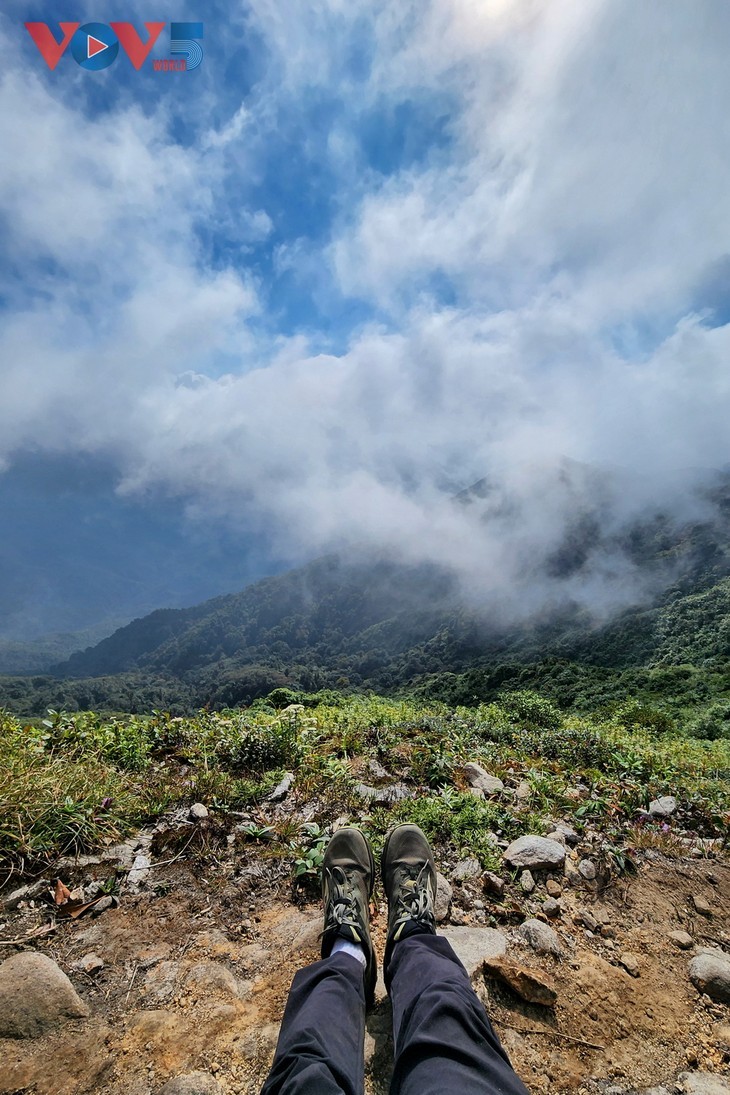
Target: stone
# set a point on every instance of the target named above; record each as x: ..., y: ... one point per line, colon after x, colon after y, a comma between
x: 443, y: 898
x: 630, y: 963
x: 571, y: 837
x: 527, y: 882
x: 523, y: 790
x: 377, y: 770
x: 709, y: 972
x: 192, y: 1083
x: 541, y: 937
x: 282, y: 789
x: 681, y: 939
x: 703, y: 1083
x: 587, y: 919
x: 525, y: 983
x: 663, y: 807
x: 587, y: 869
x: 475, y: 946
x: 160, y: 981
x: 466, y: 869
x: 493, y: 884
x: 480, y: 779
x: 702, y: 905
x: 35, y: 995
x: 25, y: 893
x: 384, y: 796
x: 90, y: 963
x: 104, y: 903
x: 553, y: 888
x: 198, y: 812
x: 139, y: 873
x: 535, y: 853
x: 214, y: 978
x: 555, y: 834
x: 551, y: 907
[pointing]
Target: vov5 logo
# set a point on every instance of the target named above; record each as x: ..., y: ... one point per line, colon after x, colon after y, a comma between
x: 95, y: 45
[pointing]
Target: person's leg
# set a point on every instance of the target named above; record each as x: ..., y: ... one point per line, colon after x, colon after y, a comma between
x: 321, y: 1043
x: 320, y: 1048
x: 444, y: 1041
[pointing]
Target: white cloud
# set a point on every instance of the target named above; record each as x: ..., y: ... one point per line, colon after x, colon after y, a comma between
x: 584, y: 192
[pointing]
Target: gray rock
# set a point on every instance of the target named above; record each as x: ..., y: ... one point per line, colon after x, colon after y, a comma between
x: 377, y: 770
x: 551, y: 907
x: 139, y: 873
x: 587, y: 869
x: 384, y: 796
x: 587, y: 919
x: 703, y: 1083
x: 523, y: 791
x: 25, y: 893
x: 663, y: 807
x: 35, y: 995
x: 123, y: 854
x: 535, y: 853
x: 571, y: 837
x: 683, y: 940
x: 90, y: 963
x: 466, y: 869
x: 282, y: 789
x: 104, y: 903
x: 198, y: 812
x: 527, y: 882
x: 192, y: 1083
x: 555, y: 834
x: 475, y: 946
x: 216, y: 979
x: 443, y: 898
x: 709, y: 972
x: 541, y: 937
x: 480, y: 779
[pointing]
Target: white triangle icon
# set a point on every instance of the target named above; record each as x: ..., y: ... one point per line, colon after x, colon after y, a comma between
x: 96, y: 47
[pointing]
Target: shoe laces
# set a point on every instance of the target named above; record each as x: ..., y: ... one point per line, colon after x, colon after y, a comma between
x: 415, y: 900
x: 342, y: 902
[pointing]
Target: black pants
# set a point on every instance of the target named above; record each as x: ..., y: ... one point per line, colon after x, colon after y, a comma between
x: 444, y: 1041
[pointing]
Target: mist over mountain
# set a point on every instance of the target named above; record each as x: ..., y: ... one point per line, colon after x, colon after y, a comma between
x: 652, y: 591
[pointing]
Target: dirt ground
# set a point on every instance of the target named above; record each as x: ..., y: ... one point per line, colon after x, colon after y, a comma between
x: 196, y: 972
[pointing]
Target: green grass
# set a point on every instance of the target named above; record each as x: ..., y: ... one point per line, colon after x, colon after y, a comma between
x: 77, y: 780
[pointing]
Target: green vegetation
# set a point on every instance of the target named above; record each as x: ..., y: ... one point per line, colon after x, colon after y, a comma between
x: 73, y: 781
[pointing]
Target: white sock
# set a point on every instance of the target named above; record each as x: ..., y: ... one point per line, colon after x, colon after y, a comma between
x: 353, y: 949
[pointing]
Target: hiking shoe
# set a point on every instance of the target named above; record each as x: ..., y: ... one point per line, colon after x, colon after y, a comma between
x: 348, y: 874
x: 409, y: 878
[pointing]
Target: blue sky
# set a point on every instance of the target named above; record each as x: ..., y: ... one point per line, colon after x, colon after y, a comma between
x: 362, y: 256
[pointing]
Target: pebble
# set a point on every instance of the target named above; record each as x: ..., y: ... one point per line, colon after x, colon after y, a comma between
x: 198, y: 812
x: 587, y: 869
x: 140, y: 872
x: 90, y: 963
x: 553, y: 888
x: 104, y: 903
x: 663, y: 807
x: 540, y: 937
x: 444, y: 894
x: 466, y: 869
x: 587, y: 920
x: 535, y: 853
x: 551, y: 907
x: 523, y: 790
x: 682, y: 939
x: 527, y: 984
x: 630, y: 963
x: 478, y: 778
x: 493, y: 883
x: 702, y: 905
x: 282, y: 789
x: 527, y: 882
x: 35, y: 995
x: 25, y: 893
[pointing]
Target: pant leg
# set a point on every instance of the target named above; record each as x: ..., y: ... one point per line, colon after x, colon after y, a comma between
x: 322, y: 1038
x: 444, y: 1041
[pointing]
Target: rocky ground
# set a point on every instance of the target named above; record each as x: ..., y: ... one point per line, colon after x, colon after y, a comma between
x: 161, y: 966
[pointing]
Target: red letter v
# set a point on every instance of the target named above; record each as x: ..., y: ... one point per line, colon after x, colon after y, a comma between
x: 132, y: 43
x: 51, y: 51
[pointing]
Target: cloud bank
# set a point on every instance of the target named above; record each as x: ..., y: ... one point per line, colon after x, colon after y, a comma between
x: 318, y: 295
